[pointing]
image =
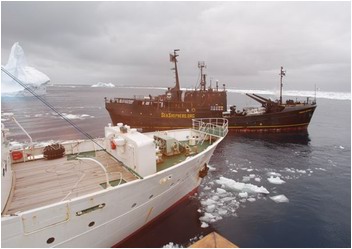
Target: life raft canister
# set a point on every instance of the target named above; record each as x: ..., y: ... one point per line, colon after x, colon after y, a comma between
x: 53, y: 151
x: 16, y: 155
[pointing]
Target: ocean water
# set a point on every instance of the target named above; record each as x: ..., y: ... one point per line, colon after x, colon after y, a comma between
x: 306, y: 177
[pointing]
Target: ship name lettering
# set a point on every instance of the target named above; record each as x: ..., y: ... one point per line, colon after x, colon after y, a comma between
x: 177, y: 115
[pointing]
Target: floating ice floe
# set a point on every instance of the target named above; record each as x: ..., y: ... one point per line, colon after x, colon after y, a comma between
x: 240, y: 186
x: 290, y: 170
x: 204, y: 225
x: 220, y: 191
x: 279, y: 198
x: 243, y: 194
x: 273, y: 174
x: 275, y: 180
x: 320, y: 169
x: 211, y: 168
x: 102, y: 84
x: 31, y: 77
x: 172, y: 245
x: 73, y: 116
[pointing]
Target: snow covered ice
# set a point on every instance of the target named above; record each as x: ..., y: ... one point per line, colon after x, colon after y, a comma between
x: 31, y: 77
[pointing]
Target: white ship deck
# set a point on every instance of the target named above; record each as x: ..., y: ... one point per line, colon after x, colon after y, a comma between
x: 42, y: 182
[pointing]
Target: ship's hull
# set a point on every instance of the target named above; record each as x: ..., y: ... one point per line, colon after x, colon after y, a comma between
x: 291, y: 118
x: 108, y: 216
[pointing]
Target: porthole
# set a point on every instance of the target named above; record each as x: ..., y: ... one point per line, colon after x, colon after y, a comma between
x: 91, y: 224
x: 50, y: 240
x: 151, y: 196
x: 134, y: 204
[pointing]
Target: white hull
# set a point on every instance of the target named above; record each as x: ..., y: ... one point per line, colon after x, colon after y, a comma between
x: 114, y: 222
x: 107, y: 217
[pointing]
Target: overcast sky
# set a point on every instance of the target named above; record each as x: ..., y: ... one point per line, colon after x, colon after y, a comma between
x: 243, y: 43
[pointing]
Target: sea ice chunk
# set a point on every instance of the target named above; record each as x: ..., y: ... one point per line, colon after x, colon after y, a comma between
x: 275, y: 180
x: 208, y: 202
x: 171, y: 245
x: 240, y: 186
x: 204, y: 225
x: 211, y: 168
x: 243, y: 194
x: 221, y: 191
x: 210, y: 208
x: 273, y: 174
x: 209, y: 218
x: 279, y: 198
x: 246, y: 178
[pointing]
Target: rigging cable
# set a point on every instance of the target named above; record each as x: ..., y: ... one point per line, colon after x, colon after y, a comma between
x: 52, y: 108
x: 66, y: 119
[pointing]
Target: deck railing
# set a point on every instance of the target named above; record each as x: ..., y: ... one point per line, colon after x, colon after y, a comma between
x: 212, y: 126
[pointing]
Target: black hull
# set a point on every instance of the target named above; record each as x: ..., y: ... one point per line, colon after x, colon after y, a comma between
x: 291, y: 118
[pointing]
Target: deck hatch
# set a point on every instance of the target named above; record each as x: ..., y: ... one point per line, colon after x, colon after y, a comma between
x: 40, y: 219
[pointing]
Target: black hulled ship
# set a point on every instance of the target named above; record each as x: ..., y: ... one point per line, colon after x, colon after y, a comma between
x: 176, y: 109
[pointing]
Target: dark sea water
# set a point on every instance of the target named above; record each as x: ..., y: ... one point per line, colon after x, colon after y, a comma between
x: 315, y: 168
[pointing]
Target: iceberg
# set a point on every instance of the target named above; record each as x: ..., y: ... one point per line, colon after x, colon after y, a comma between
x: 102, y: 84
x: 31, y: 77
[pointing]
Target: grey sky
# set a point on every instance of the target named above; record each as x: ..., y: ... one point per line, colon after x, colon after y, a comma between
x: 243, y: 43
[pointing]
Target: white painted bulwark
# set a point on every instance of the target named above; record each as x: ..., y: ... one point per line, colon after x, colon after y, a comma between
x: 65, y: 202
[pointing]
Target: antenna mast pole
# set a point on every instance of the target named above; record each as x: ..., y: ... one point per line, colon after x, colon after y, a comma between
x: 282, y: 74
x: 201, y: 65
x: 176, y: 71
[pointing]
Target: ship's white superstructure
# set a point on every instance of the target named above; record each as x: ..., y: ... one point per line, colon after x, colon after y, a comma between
x: 100, y: 192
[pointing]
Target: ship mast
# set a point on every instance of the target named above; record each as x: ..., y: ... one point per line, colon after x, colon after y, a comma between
x: 174, y: 60
x: 201, y: 65
x: 282, y: 74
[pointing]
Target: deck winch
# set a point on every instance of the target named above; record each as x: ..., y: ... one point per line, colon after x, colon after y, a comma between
x: 169, y: 146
